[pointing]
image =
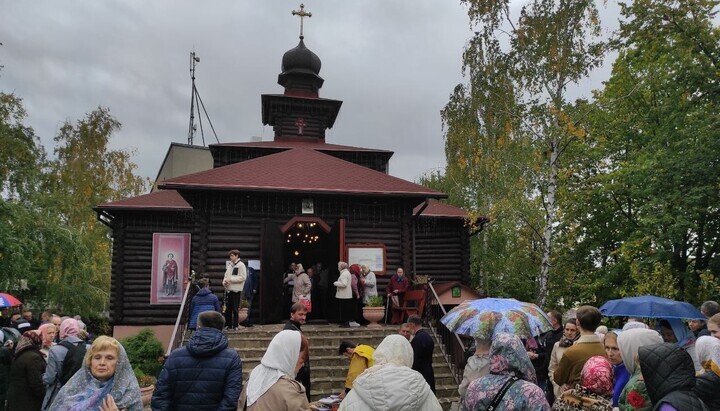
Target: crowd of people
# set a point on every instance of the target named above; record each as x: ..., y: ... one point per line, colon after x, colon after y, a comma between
x: 54, y: 364
x: 581, y: 365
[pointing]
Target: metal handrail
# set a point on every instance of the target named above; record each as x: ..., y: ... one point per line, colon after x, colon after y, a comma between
x: 178, y: 326
x: 449, y: 353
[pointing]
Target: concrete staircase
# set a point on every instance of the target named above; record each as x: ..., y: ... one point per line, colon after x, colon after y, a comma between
x: 328, y: 369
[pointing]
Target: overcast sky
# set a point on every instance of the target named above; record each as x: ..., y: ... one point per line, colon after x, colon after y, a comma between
x: 392, y: 63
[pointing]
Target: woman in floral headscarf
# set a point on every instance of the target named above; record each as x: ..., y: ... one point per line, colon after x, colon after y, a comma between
x: 105, y: 380
x: 708, y: 382
x: 594, y: 391
x: 25, y: 388
x: 509, y: 364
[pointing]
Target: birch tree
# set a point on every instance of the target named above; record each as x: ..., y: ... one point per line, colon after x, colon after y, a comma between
x: 512, y: 114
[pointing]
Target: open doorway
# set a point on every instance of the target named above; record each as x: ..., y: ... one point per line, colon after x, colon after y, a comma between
x: 314, y: 244
x: 282, y: 245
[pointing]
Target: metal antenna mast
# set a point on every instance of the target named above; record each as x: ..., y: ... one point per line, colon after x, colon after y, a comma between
x: 195, y: 99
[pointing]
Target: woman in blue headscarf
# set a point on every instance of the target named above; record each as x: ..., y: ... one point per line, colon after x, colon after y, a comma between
x: 106, y: 381
x: 675, y: 331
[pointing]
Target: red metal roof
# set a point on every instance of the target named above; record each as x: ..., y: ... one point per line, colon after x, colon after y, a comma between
x: 300, y: 170
x: 290, y: 144
x: 160, y: 200
x: 439, y: 209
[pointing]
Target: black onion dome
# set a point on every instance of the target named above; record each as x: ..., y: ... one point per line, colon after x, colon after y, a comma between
x: 301, y: 60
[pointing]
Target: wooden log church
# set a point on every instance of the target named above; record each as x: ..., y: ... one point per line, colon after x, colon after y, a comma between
x: 263, y: 198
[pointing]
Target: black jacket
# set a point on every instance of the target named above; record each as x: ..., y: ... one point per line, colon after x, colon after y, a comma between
x: 25, y: 388
x: 423, y: 346
x: 669, y: 376
x: 707, y: 387
x: 203, y: 375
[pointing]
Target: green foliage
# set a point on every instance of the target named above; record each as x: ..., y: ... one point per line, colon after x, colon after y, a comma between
x: 375, y: 301
x: 507, y: 130
x: 145, y: 352
x: 52, y: 238
x: 642, y: 202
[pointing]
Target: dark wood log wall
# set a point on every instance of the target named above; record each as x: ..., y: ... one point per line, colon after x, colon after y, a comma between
x: 132, y: 266
x: 442, y: 249
x: 223, y: 221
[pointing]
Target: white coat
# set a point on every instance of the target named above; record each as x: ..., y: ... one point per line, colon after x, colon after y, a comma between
x: 344, y: 285
x: 391, y: 384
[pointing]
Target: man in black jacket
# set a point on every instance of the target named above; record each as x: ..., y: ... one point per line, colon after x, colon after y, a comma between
x: 298, y: 315
x: 550, y: 338
x: 423, y: 346
x: 203, y: 375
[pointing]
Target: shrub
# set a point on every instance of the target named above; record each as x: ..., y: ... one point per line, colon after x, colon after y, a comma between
x: 145, y: 352
x: 375, y: 301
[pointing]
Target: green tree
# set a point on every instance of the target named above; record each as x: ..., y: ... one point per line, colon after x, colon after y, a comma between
x: 642, y: 208
x: 508, y: 127
x: 50, y: 237
x: 87, y: 172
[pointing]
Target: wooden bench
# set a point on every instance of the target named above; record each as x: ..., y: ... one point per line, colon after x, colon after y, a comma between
x: 413, y: 302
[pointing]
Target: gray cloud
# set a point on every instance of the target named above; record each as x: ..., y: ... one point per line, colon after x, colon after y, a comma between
x: 393, y: 63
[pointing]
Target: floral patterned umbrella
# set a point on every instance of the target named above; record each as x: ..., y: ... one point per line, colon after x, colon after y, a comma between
x: 486, y: 317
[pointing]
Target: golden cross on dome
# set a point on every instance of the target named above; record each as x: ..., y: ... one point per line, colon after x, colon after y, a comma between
x: 302, y: 13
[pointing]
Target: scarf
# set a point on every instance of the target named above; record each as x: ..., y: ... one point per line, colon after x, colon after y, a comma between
x: 85, y: 392
x: 630, y: 341
x: 597, y: 376
x: 44, y: 330
x: 683, y: 334
x: 508, y: 357
x: 29, y: 340
x: 69, y: 328
x: 279, y: 360
x: 708, y: 353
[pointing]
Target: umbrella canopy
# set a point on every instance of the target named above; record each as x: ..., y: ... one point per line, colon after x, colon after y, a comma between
x: 486, y: 317
x: 649, y: 306
x: 7, y: 300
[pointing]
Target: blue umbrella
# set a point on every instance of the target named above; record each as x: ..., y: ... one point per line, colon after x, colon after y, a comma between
x: 486, y: 317
x: 649, y: 306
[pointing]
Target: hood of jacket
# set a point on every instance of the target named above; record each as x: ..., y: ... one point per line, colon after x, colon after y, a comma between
x: 392, y: 387
x: 203, y: 292
x: 666, y: 368
x: 206, y: 342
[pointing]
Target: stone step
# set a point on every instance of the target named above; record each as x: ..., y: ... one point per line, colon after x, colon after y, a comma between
x: 338, y: 374
x: 328, y: 368
x: 439, y: 363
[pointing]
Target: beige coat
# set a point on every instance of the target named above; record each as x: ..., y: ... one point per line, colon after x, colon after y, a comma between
x: 302, y: 287
x: 555, y: 357
x: 285, y: 395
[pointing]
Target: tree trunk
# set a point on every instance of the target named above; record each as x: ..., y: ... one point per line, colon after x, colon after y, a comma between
x: 542, y: 292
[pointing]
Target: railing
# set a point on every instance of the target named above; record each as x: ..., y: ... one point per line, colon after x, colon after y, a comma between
x: 452, y: 345
x: 178, y: 334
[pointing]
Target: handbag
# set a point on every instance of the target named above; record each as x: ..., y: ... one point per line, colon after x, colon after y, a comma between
x: 499, y: 396
x: 307, y: 303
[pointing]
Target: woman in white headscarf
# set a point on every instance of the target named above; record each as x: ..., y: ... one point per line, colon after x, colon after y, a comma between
x: 271, y: 385
x: 391, y: 384
x: 635, y: 396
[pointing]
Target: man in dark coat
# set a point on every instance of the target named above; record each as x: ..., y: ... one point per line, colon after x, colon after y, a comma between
x: 669, y: 376
x: 298, y: 315
x: 204, y: 300
x: 550, y: 338
x: 203, y: 375
x: 423, y: 346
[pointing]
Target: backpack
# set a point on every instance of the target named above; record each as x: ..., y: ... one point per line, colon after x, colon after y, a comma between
x: 73, y: 360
